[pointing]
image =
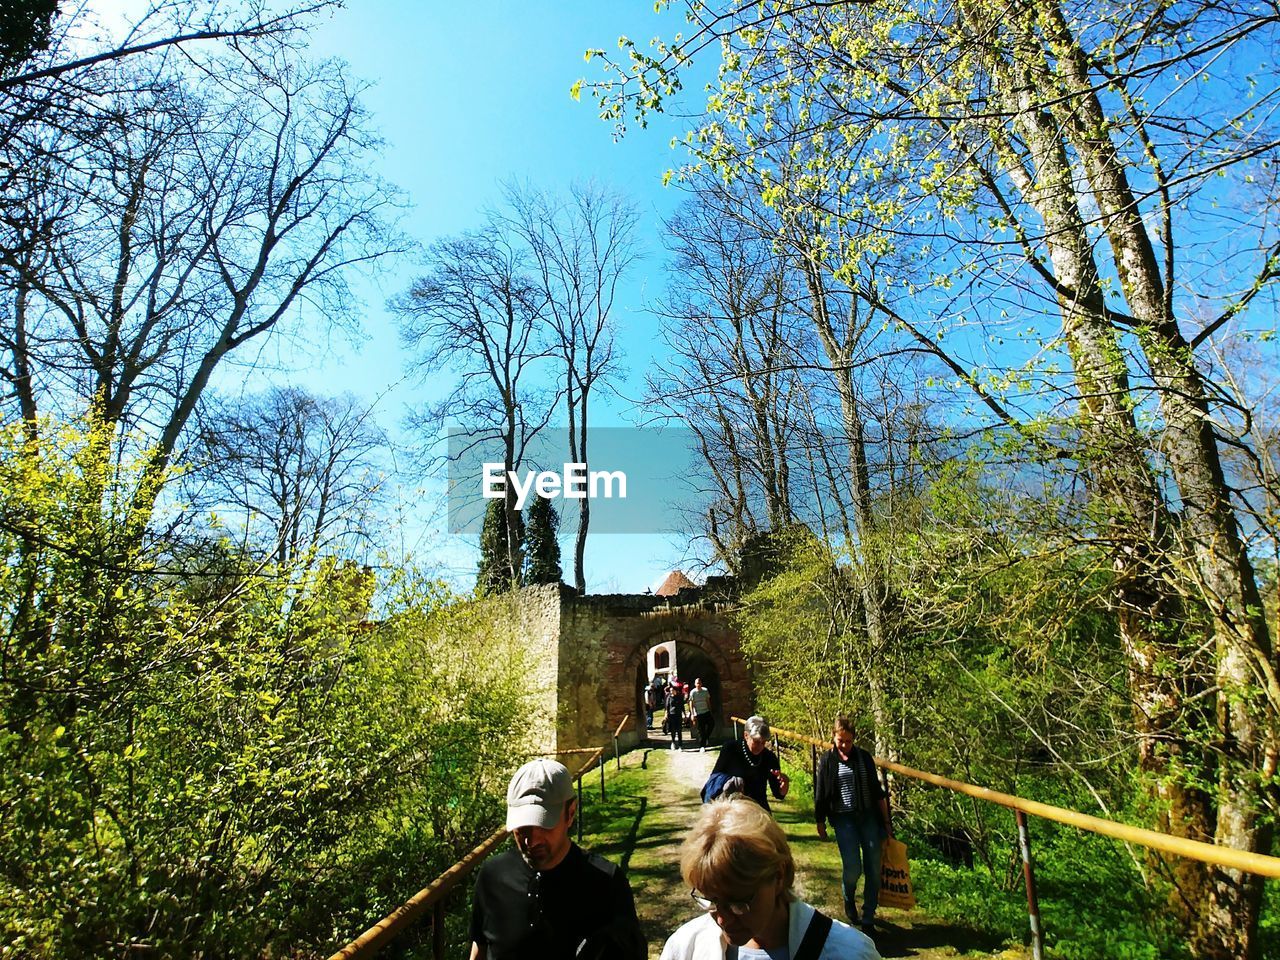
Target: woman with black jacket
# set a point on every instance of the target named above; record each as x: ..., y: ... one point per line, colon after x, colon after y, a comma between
x: 848, y: 793
x: 750, y: 766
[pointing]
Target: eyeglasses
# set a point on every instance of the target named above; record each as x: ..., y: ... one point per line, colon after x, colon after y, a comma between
x: 739, y: 908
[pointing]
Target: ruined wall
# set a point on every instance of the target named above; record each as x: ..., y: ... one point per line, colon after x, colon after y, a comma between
x: 603, y: 642
x: 532, y: 616
x: 587, y: 664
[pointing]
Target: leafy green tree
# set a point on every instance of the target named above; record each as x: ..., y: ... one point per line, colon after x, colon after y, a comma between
x: 542, y: 545
x: 495, y: 573
x: 212, y: 757
x: 962, y: 169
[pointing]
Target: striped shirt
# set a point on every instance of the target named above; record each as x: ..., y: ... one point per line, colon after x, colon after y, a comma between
x: 853, y: 784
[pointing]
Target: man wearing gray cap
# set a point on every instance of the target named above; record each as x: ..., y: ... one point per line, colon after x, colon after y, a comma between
x: 548, y: 898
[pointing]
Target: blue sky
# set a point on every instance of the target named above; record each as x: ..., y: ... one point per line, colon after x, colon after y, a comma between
x: 467, y: 96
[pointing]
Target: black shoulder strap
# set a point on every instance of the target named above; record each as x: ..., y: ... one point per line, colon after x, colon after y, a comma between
x: 815, y: 937
x: 811, y: 944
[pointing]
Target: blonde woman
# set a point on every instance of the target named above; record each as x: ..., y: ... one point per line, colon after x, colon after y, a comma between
x: 739, y: 868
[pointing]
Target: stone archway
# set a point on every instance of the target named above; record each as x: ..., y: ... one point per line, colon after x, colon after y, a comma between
x: 590, y: 654
x: 708, y: 642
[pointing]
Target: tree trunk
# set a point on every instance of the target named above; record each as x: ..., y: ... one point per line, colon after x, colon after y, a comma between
x: 1246, y: 728
x: 1151, y: 618
x: 579, y: 454
x: 1221, y: 905
x: 871, y: 580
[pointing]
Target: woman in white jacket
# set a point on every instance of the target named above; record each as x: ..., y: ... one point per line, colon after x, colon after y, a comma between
x: 739, y: 867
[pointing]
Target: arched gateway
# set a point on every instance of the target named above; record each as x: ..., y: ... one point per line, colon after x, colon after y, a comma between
x: 592, y: 656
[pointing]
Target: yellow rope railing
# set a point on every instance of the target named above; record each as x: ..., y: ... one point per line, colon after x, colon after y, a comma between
x: 432, y: 896
x: 1180, y: 846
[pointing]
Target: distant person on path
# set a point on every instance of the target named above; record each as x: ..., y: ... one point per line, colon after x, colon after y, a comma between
x: 653, y: 698
x: 548, y: 898
x: 848, y: 793
x: 740, y: 870
x: 700, y: 700
x: 675, y: 713
x: 751, y: 760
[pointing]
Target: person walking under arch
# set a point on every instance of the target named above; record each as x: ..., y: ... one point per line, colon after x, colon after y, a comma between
x: 848, y: 793
x: 675, y: 713
x: 700, y: 700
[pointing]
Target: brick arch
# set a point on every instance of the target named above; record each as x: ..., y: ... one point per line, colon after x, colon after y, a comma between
x: 588, y: 651
x: 720, y: 645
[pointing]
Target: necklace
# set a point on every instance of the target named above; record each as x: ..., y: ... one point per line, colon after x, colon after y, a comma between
x: 752, y: 761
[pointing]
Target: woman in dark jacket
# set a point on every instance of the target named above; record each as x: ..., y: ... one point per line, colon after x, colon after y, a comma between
x: 751, y: 761
x: 848, y: 793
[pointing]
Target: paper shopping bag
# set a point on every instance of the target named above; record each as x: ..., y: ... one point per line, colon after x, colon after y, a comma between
x: 895, y: 876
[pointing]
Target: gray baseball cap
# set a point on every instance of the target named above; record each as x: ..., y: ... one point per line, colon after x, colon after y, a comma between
x: 537, y: 794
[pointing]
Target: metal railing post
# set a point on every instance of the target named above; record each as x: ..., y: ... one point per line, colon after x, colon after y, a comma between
x: 437, y: 930
x: 579, y: 806
x: 617, y: 754
x: 1028, y: 873
x: 601, y: 777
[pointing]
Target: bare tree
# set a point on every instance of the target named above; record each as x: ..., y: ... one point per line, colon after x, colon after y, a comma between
x: 301, y: 472
x: 193, y: 218
x: 478, y: 312
x: 41, y: 42
x: 734, y: 378
x: 581, y: 247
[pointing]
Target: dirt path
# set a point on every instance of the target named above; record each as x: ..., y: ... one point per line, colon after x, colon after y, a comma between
x: 662, y: 818
x: 662, y: 902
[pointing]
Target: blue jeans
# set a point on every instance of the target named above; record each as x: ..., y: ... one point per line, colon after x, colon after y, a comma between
x: 860, y: 837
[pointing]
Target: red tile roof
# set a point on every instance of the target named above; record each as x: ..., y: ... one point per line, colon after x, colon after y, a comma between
x: 675, y: 582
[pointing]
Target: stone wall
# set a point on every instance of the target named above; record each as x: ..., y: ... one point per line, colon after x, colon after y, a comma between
x: 591, y: 652
x: 538, y: 620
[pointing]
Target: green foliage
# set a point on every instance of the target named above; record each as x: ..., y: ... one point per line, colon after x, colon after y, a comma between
x: 1093, y: 903
x: 1004, y: 669
x: 800, y: 632
x: 542, y: 548
x: 24, y: 30
x: 495, y: 573
x: 218, y: 759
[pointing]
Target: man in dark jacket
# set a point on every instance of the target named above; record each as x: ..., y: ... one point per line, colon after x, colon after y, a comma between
x: 675, y: 713
x: 548, y: 898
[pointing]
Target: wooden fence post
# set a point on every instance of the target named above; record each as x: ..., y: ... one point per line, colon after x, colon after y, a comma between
x: 579, y: 806
x: 437, y: 930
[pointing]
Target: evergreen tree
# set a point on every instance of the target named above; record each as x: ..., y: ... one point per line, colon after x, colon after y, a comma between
x: 542, y: 549
x: 495, y: 573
